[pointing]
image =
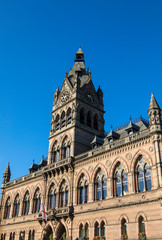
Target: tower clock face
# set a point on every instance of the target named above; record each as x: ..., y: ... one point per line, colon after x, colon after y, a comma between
x: 65, y: 95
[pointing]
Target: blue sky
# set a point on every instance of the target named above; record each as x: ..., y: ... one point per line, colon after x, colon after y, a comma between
x: 122, y: 43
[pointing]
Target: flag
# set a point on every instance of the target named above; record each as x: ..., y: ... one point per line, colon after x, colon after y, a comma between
x: 44, y: 212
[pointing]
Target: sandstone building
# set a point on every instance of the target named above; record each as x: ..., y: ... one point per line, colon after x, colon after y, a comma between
x: 91, y: 183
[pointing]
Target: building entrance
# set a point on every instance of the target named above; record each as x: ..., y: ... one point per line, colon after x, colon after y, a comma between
x: 61, y: 232
x: 48, y: 233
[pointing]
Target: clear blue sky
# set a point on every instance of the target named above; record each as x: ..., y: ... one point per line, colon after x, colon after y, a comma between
x: 122, y: 43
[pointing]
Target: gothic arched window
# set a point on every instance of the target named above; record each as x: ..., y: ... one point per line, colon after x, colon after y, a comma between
x: 120, y: 181
x: 141, y: 225
x: 26, y: 204
x: 123, y: 226
x: 66, y: 148
x: 31, y: 235
x: 37, y: 201
x: 12, y: 236
x: 97, y: 229
x: 102, y: 229
x: 3, y: 236
x: 57, y: 122
x: 69, y: 116
x: 52, y: 197
x: 63, y: 119
x: 55, y: 152
x: 83, y: 190
x: 7, y: 208
x: 63, y: 194
x: 86, y: 230
x: 96, y: 122
x: 81, y: 231
x: 89, y: 119
x: 100, y: 186
x: 142, y: 176
x: 82, y: 116
x: 16, y: 206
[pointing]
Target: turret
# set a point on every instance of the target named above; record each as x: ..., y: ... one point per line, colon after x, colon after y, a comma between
x: 154, y: 113
x: 6, y: 175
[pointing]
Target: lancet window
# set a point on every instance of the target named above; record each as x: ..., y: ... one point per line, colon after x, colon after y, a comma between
x: 52, y: 197
x: 63, y: 122
x: 7, y: 208
x: 82, y: 116
x: 12, y: 236
x: 69, y: 116
x: 26, y: 204
x: 56, y: 152
x: 96, y: 122
x: 89, y: 119
x: 100, y: 186
x: 100, y: 229
x: 141, y: 225
x: 16, y: 206
x: 120, y: 181
x: 31, y: 235
x: 142, y: 176
x: 57, y: 122
x: 82, y: 190
x: 66, y: 148
x: 37, y: 201
x: 64, y: 194
x: 123, y: 226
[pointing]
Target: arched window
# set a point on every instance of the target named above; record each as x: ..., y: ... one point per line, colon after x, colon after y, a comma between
x: 141, y: 225
x: 100, y: 186
x: 26, y: 204
x: 22, y: 235
x: 63, y: 119
x: 63, y: 194
x: 97, y: 229
x: 16, y: 206
x: 7, y: 208
x: 66, y: 148
x: 123, y: 227
x: 31, y: 235
x: 82, y: 190
x: 82, y: 116
x: 87, y: 230
x: 37, y: 201
x: 55, y: 152
x: 96, y: 122
x: 120, y: 181
x: 3, y: 236
x: 57, y: 122
x: 142, y: 176
x: 52, y: 197
x: 81, y: 231
x: 69, y: 116
x: 89, y: 120
x: 102, y: 229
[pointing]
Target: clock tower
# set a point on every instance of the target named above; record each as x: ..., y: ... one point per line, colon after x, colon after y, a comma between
x: 77, y: 114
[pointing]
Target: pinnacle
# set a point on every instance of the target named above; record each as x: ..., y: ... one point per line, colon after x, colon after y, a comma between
x: 79, y: 51
x: 8, y: 169
x: 153, y: 102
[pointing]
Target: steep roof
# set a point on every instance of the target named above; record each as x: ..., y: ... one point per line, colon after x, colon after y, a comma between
x: 153, y: 102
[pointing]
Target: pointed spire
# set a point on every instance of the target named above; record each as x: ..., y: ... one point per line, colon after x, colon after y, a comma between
x: 153, y: 102
x: 7, y: 174
x: 79, y: 51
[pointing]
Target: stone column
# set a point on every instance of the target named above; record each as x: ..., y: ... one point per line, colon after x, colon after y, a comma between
x: 91, y: 192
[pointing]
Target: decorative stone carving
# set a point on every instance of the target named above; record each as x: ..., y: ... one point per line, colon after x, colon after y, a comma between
x: 150, y: 149
x: 128, y: 156
x: 108, y: 163
x: 90, y: 168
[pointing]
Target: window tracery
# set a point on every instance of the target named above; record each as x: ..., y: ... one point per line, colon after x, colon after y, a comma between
x: 82, y: 190
x: 142, y: 176
x: 16, y: 206
x: 64, y: 194
x: 120, y: 181
x: 26, y: 204
x: 52, y: 197
x: 37, y: 201
x: 100, y: 186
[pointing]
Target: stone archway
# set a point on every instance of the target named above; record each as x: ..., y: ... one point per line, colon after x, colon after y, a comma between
x: 61, y: 232
x: 48, y: 233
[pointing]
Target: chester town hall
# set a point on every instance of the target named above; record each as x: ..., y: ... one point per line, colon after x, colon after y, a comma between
x: 94, y: 185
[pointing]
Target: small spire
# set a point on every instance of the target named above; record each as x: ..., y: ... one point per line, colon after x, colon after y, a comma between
x: 130, y: 118
x: 66, y: 73
x: 79, y: 51
x: 153, y: 102
x: 111, y: 127
x: 33, y: 161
